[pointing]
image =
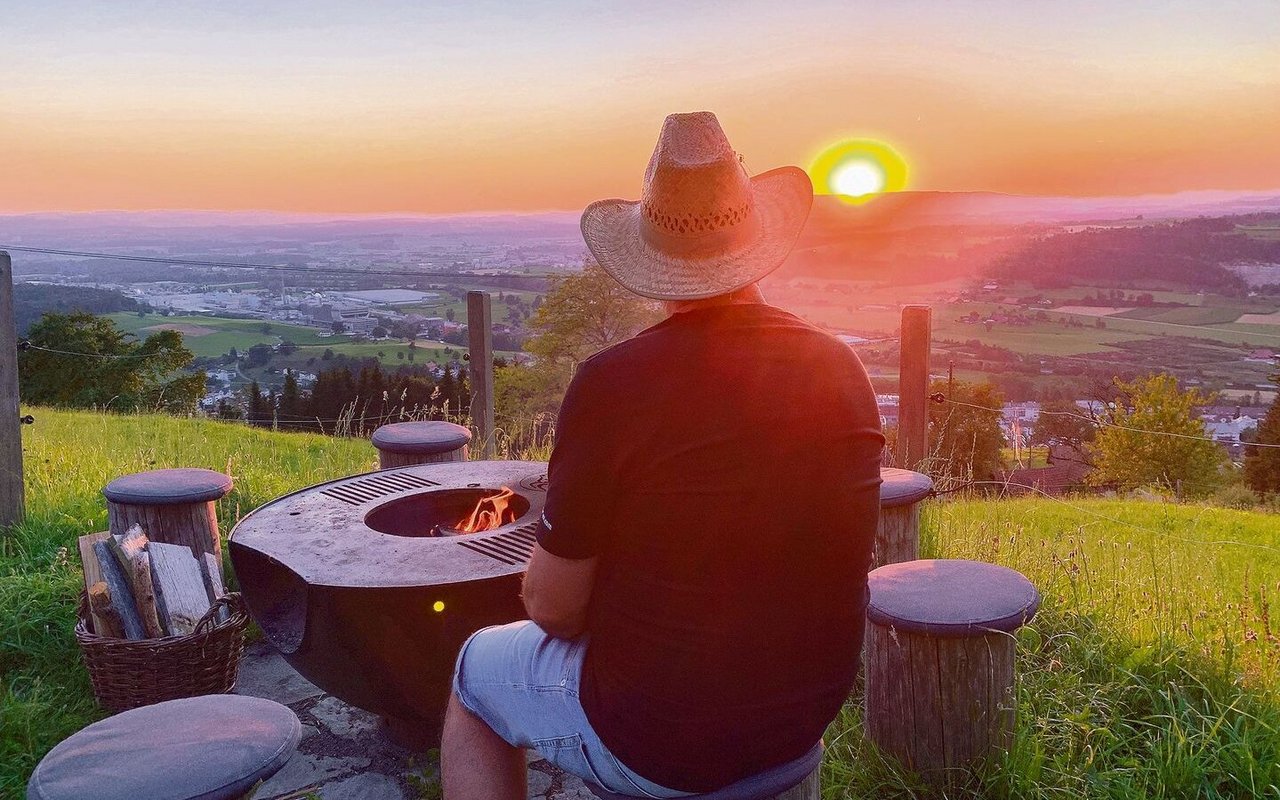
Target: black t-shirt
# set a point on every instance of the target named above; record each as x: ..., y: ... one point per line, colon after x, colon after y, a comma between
x: 724, y: 467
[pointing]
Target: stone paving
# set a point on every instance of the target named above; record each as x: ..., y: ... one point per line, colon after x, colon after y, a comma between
x: 345, y: 753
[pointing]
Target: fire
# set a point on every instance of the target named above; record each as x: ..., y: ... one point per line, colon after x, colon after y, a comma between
x: 491, y: 512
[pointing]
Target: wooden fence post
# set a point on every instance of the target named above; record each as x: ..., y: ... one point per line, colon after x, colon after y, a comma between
x: 480, y: 340
x: 11, y: 494
x: 913, y: 387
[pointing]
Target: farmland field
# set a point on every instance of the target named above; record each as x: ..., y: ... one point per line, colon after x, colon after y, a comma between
x: 214, y: 336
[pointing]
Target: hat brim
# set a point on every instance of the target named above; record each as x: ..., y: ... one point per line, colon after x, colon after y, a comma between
x: 611, y: 228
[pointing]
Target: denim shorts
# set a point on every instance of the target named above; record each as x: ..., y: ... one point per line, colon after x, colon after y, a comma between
x: 524, y: 685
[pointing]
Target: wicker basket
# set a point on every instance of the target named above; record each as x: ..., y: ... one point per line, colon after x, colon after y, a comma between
x: 128, y: 673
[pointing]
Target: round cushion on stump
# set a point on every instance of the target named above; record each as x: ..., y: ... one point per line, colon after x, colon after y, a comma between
x: 211, y: 747
x: 950, y: 597
x: 168, y: 487
x: 756, y: 787
x: 902, y: 487
x: 421, y: 438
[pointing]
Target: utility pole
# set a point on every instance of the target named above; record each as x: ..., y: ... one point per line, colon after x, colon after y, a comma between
x: 913, y: 386
x: 12, y: 504
x: 480, y: 341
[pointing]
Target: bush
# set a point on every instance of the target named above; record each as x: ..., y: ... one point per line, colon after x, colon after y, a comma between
x: 1235, y: 495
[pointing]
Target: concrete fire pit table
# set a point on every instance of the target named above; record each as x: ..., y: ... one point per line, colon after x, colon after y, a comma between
x: 368, y: 587
x: 403, y: 444
x: 177, y: 506
x: 939, y: 661
x: 898, y: 534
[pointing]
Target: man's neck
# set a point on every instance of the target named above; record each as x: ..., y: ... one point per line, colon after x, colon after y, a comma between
x: 745, y: 296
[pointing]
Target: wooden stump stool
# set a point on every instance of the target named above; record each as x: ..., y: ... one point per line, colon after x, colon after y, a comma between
x: 939, y: 661
x: 175, y: 506
x: 216, y: 747
x: 403, y: 444
x: 898, y: 534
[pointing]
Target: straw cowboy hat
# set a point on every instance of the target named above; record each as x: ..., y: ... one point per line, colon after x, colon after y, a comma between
x: 702, y: 227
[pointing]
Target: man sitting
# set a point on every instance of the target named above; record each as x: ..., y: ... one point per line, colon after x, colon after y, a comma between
x: 698, y: 591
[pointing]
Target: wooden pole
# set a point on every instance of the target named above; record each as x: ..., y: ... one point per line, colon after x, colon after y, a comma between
x: 913, y: 387
x: 480, y: 336
x: 11, y: 494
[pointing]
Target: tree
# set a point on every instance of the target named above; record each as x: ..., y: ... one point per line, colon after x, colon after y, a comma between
x: 1065, y: 429
x: 1154, y: 438
x: 965, y: 435
x: 108, y: 369
x: 338, y: 327
x: 448, y: 314
x: 291, y: 405
x: 1262, y: 464
x: 581, y: 314
x: 378, y: 332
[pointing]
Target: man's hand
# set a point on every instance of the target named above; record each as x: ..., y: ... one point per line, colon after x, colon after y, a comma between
x: 556, y: 592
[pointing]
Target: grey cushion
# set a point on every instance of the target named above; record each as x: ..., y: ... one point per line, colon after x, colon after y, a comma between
x: 421, y: 438
x: 902, y: 487
x: 946, y: 597
x: 757, y: 787
x: 168, y: 487
x: 199, y: 748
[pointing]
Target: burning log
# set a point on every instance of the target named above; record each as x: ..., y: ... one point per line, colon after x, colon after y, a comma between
x: 490, y: 512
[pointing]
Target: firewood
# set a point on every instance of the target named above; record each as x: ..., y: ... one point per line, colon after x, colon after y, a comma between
x: 130, y: 543
x: 105, y: 616
x: 213, y: 584
x: 130, y: 551
x: 121, y: 595
x: 89, y: 565
x: 180, y: 586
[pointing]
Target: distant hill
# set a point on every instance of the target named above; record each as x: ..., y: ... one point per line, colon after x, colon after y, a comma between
x: 31, y: 300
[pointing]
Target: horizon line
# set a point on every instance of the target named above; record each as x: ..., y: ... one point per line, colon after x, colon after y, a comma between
x: 566, y: 211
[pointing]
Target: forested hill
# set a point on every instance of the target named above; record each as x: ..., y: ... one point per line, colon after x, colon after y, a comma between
x: 30, y: 300
x: 1190, y: 253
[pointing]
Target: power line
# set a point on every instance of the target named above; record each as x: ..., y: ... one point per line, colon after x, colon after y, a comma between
x: 25, y: 345
x: 268, y: 267
x: 1102, y: 423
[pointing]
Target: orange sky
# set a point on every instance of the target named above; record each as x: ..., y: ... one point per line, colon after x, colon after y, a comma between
x: 391, y: 107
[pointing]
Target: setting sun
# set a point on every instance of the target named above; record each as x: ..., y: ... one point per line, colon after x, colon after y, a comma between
x: 857, y: 177
x: 858, y: 170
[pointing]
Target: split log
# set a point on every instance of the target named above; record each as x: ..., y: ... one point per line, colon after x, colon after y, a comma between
x: 181, y: 594
x: 89, y: 566
x: 107, y: 619
x: 213, y: 583
x: 130, y: 551
x: 121, y: 595
x: 130, y: 543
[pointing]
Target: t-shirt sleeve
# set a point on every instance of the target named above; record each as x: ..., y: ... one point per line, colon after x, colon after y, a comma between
x: 581, y: 477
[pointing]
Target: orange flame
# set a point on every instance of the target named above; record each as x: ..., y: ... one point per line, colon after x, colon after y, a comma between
x: 491, y: 512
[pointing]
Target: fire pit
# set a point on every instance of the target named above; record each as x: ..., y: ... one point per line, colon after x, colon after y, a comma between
x: 369, y: 585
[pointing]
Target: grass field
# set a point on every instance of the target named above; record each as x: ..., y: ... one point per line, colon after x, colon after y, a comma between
x: 225, y: 333
x: 1151, y: 670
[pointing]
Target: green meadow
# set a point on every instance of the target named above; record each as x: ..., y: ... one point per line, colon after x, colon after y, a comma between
x: 1151, y: 670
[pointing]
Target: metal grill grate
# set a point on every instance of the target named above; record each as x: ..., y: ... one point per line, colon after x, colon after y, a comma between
x: 512, y: 548
x: 363, y: 490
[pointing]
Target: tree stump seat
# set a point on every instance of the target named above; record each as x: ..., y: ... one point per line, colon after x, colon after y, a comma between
x: 176, y: 506
x: 940, y: 661
x: 404, y: 444
x: 215, y: 747
x: 898, y: 532
x: 795, y: 780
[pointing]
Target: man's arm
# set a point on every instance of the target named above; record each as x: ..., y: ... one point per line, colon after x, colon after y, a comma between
x: 557, y: 591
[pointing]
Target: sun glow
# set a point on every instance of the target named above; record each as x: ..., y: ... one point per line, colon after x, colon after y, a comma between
x: 858, y: 170
x: 857, y: 177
